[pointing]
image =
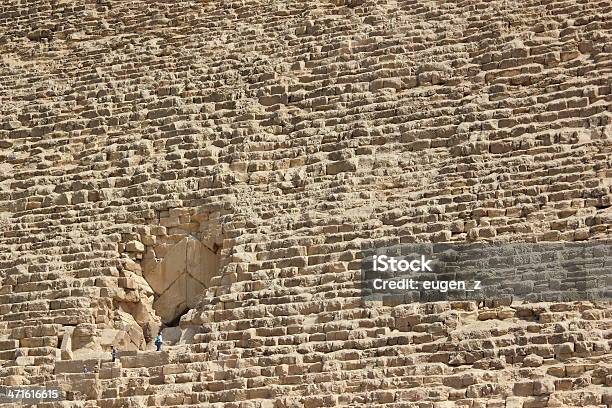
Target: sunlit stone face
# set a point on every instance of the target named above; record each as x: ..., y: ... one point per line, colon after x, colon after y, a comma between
x: 182, y: 275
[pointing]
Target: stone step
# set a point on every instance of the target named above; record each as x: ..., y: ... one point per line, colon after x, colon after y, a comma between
x: 145, y: 359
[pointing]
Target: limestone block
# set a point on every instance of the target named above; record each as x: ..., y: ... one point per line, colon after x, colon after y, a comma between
x: 145, y: 359
x: 514, y: 402
x: 169, y: 269
x: 66, y: 345
x: 24, y: 361
x: 175, y: 258
x: 201, y: 262
x: 130, y: 335
x: 341, y: 166
x: 532, y: 360
x: 8, y: 344
x: 149, y: 262
x: 83, y: 384
x: 565, y: 349
x: 523, y: 389
x: 149, y: 240
x: 83, y: 335
x: 171, y: 335
x: 194, y: 288
x: 110, y: 373
x: 76, y: 366
x: 132, y: 266
x: 187, y: 335
x: 172, y: 301
x: 181, y: 276
x: 110, y: 337
x: 16, y: 380
x: 211, y: 231
x: 542, y: 387
x: 135, y: 246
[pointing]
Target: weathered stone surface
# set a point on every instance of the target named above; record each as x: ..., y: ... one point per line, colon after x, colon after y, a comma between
x: 184, y: 272
x: 172, y: 301
x: 76, y: 366
x: 202, y: 263
x: 234, y: 160
x: 148, y: 359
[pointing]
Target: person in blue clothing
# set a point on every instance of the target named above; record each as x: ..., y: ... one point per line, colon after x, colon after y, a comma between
x: 158, y: 342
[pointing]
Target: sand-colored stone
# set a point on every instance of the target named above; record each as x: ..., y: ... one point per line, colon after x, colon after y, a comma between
x: 202, y: 263
x: 180, y: 276
x: 233, y: 160
x: 172, y: 302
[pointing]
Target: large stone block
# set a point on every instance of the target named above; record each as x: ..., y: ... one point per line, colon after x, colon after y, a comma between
x: 146, y: 359
x: 201, y: 262
x: 173, y: 301
x: 193, y: 289
x: 8, y: 344
x: 76, y: 366
x: 162, y: 274
x: 180, y: 277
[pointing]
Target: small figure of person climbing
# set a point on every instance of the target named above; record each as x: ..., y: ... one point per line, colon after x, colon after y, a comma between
x: 113, y: 354
x: 158, y: 341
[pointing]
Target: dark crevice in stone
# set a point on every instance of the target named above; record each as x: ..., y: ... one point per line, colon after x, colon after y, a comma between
x: 177, y: 319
